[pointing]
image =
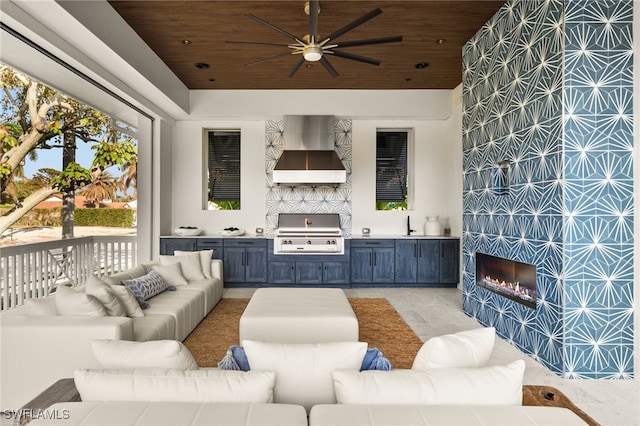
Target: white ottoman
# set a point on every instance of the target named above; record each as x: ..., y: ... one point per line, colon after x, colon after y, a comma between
x: 299, y: 315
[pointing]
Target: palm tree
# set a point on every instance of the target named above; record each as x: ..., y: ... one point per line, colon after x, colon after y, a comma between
x: 128, y: 179
x: 103, y: 186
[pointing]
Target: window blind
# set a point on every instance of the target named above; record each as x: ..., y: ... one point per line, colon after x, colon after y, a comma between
x: 391, y: 167
x: 224, y: 165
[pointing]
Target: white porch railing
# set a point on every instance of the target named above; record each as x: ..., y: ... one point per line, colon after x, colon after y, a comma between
x: 34, y: 270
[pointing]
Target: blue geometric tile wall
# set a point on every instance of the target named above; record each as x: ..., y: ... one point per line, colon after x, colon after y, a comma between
x: 598, y: 196
x: 531, y: 96
x: 307, y: 198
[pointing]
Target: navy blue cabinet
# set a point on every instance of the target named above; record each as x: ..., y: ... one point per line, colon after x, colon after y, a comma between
x: 169, y: 245
x: 245, y: 260
x: 372, y: 261
x: 335, y: 272
x: 308, y: 272
x: 427, y: 261
x: 449, y: 261
x: 282, y: 272
x: 406, y: 261
x: 366, y: 262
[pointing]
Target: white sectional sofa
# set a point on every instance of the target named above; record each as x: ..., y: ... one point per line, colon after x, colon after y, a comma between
x: 304, y: 384
x: 40, y: 345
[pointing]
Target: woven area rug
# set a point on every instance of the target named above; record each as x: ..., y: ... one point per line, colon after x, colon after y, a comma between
x: 380, y: 326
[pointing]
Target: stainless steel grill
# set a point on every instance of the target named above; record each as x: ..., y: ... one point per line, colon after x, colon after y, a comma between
x: 314, y: 233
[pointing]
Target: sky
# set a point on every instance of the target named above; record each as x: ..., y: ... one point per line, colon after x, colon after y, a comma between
x: 52, y: 159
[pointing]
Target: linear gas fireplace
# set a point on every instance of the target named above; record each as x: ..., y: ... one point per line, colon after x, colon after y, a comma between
x: 511, y: 279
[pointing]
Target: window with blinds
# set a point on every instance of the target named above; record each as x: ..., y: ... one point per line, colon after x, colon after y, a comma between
x: 224, y: 169
x: 391, y: 170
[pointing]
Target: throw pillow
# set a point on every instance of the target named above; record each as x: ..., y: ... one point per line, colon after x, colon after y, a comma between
x: 41, y: 307
x: 466, y: 349
x: 128, y: 300
x: 304, y: 371
x: 190, y: 263
x: 72, y: 302
x: 494, y: 385
x: 159, y: 385
x: 205, y: 260
x: 147, y: 286
x: 152, y: 354
x: 102, y: 291
x: 172, y: 273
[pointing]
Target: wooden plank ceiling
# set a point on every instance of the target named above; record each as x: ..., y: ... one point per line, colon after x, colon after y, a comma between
x: 164, y: 25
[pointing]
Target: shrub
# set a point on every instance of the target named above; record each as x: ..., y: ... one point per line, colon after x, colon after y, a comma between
x: 122, y: 218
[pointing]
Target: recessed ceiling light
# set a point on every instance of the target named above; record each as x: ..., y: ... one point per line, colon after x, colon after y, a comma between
x: 441, y: 41
x: 203, y: 66
x: 421, y: 65
x: 186, y: 42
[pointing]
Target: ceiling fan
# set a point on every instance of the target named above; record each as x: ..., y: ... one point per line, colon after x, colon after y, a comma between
x: 314, y: 49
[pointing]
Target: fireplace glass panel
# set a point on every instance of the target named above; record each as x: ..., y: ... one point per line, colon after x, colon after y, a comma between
x: 509, y: 278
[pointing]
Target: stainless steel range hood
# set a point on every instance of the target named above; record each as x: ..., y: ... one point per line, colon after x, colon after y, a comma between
x: 309, y: 155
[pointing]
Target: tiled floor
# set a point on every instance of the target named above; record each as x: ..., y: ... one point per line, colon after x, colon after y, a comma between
x: 432, y: 312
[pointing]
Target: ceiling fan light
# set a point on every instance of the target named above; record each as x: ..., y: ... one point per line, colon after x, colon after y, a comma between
x: 312, y: 53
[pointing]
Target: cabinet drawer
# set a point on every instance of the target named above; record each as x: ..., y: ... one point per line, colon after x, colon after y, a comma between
x: 372, y: 243
x: 209, y: 243
x: 245, y: 242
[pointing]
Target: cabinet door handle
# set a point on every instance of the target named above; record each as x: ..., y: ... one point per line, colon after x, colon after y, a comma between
x: 375, y: 259
x: 370, y: 259
x: 415, y: 250
x: 420, y: 246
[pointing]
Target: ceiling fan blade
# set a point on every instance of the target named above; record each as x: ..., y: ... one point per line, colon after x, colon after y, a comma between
x: 328, y: 67
x: 356, y: 57
x: 267, y: 59
x: 361, y: 20
x: 259, y: 43
x: 273, y: 27
x: 381, y: 40
x: 296, y: 67
x: 313, y: 19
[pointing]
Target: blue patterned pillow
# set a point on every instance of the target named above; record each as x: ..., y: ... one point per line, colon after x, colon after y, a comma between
x: 147, y: 286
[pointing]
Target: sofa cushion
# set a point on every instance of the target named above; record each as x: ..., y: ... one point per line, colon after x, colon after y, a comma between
x: 494, y: 385
x: 172, y: 273
x: 186, y: 307
x: 173, y: 413
x: 41, y: 307
x: 72, y: 302
x: 154, y: 327
x: 146, y: 286
x: 128, y: 300
x: 466, y: 349
x: 304, y: 371
x: 129, y: 274
x: 190, y: 263
x: 439, y: 415
x: 159, y: 384
x: 205, y: 260
x: 152, y: 354
x: 102, y: 291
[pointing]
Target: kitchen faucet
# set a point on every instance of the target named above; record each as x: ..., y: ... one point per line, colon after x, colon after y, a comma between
x: 409, y: 230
